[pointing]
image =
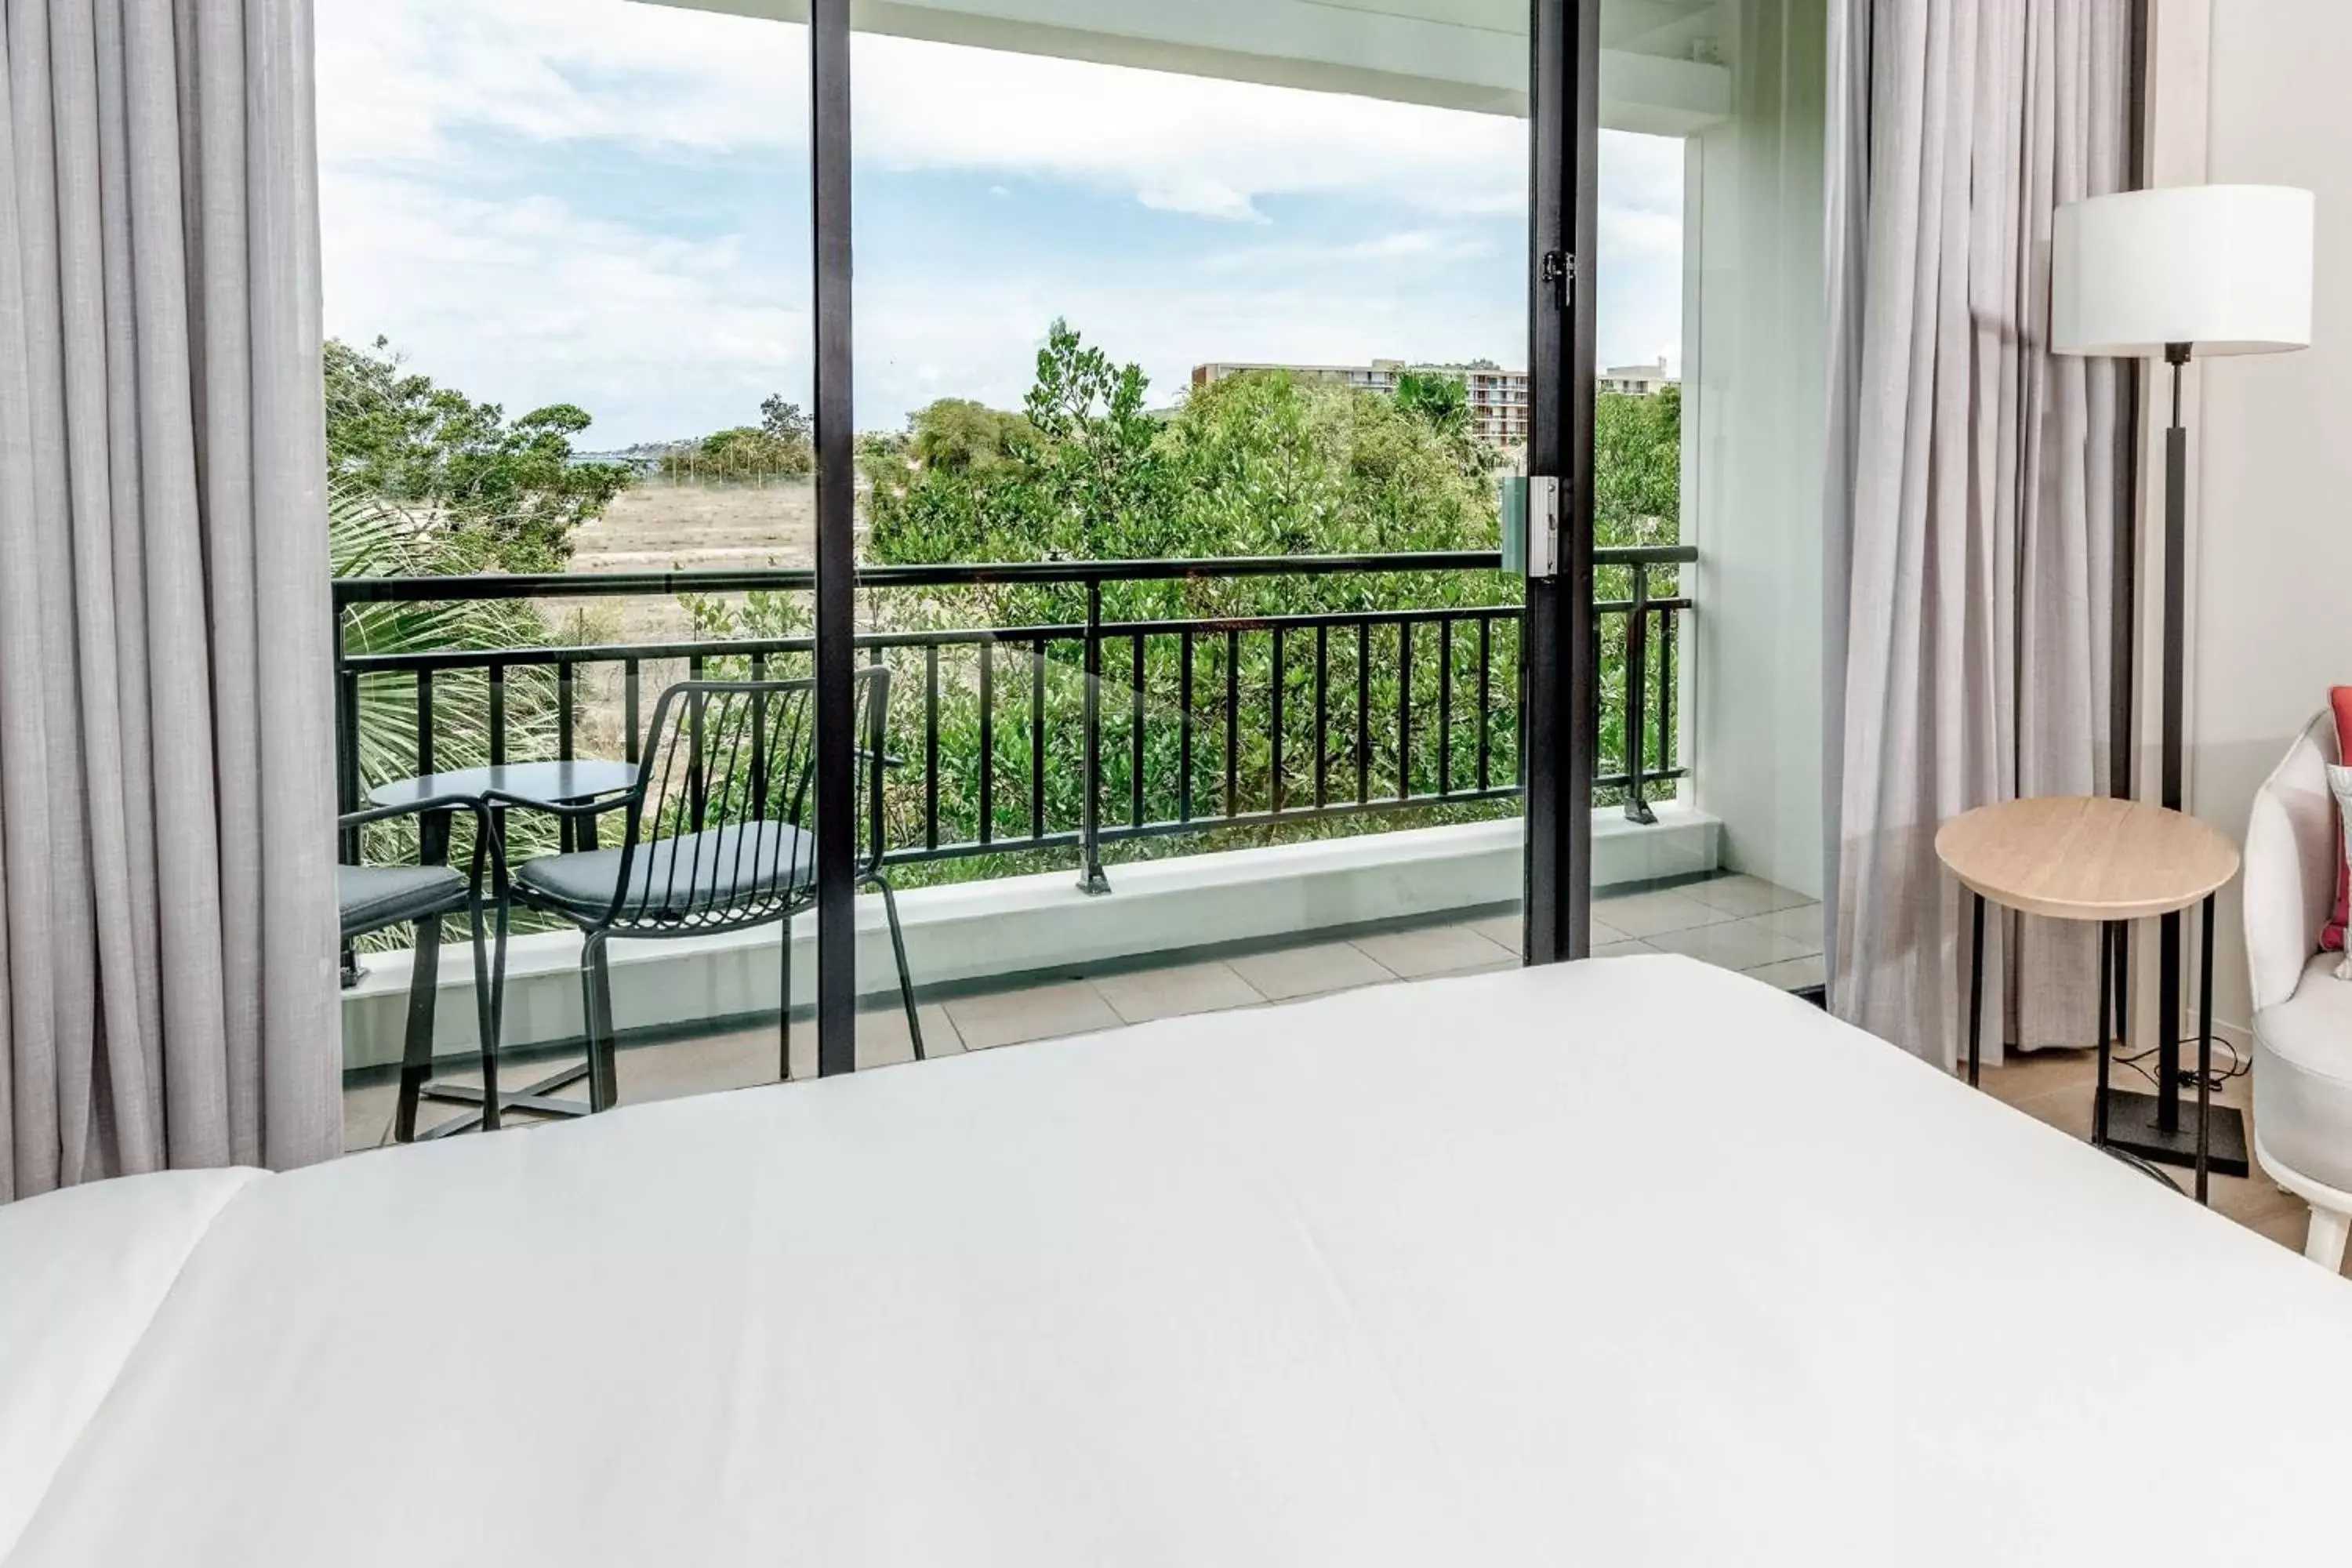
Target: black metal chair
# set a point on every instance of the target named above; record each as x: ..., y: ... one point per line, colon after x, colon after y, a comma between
x: 375, y: 898
x: 720, y: 836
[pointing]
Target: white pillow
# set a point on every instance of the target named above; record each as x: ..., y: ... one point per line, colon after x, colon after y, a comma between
x: 2339, y: 784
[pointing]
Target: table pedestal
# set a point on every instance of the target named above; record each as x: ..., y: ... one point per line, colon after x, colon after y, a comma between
x: 2134, y: 1125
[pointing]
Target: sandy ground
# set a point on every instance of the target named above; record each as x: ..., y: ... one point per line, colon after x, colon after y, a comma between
x: 655, y: 526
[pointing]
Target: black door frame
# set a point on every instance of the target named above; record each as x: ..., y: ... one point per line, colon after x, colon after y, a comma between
x: 1559, y: 657
x: 837, y: 545
x: 1560, y: 654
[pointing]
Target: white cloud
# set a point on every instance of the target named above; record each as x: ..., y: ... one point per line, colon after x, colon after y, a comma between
x: 528, y: 302
x: 398, y: 78
x: 532, y: 300
x: 402, y: 76
x: 1192, y: 144
x: 1422, y: 244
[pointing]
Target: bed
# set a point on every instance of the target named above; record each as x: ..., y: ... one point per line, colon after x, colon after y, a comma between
x: 1623, y: 1262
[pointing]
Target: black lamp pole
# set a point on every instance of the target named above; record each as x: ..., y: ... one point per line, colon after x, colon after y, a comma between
x: 2149, y: 1125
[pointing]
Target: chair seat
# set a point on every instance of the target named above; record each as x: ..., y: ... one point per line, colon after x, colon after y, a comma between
x: 723, y: 869
x: 371, y: 898
x: 2303, y: 1075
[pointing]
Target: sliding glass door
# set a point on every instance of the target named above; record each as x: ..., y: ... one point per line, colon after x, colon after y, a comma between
x: 1708, y: 411
x: 1121, y: 447
x: 1186, y: 361
x: 1679, y: 392
x: 1170, y: 660
x: 1560, y: 673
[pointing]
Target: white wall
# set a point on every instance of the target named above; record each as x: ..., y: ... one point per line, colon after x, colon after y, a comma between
x: 1754, y: 338
x: 2272, y: 590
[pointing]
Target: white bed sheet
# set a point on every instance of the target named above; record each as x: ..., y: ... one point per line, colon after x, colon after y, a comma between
x: 82, y: 1275
x: 1627, y: 1262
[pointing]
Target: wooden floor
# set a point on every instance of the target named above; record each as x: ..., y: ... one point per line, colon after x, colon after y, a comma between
x: 2056, y: 1087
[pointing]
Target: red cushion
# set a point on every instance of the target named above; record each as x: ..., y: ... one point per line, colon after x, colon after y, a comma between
x: 2340, y: 699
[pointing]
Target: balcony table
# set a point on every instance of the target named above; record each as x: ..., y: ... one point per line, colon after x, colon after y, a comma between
x: 2090, y: 857
x: 574, y: 783
x: 548, y: 784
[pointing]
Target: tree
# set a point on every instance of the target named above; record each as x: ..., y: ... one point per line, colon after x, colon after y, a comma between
x: 778, y: 446
x: 1443, y: 403
x: 1090, y: 458
x: 1637, y: 463
x: 1069, y: 478
x: 1443, y: 400
x: 784, y: 421
x: 1257, y: 464
x: 510, y: 490
x: 958, y: 436
x: 1261, y: 463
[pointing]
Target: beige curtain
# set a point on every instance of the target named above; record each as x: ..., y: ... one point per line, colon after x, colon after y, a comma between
x: 167, y: 930
x: 1973, y: 496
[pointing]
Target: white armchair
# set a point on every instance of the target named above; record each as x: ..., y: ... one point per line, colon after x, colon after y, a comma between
x: 2303, y: 1013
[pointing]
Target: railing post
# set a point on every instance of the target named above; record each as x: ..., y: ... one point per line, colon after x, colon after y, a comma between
x: 1667, y: 748
x: 347, y: 770
x: 1091, y: 879
x: 1637, y: 694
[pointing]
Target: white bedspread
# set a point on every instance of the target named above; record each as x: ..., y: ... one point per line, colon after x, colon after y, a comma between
x: 1619, y: 1263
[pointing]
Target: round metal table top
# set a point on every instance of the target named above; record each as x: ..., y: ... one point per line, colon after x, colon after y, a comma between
x: 2085, y: 858
x: 552, y: 784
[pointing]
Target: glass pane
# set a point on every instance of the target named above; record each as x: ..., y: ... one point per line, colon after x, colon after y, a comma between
x: 1708, y: 440
x: 1154, y: 285
x: 567, y: 279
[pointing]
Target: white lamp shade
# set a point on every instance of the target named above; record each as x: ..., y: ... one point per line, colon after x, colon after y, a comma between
x: 2223, y: 269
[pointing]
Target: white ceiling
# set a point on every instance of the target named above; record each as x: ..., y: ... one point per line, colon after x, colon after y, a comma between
x: 1457, y: 54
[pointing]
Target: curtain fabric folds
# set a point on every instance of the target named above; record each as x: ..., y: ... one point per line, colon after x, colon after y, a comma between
x: 1973, y: 494
x: 167, y: 927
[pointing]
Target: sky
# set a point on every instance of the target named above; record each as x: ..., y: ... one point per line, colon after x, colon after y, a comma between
x: 605, y: 203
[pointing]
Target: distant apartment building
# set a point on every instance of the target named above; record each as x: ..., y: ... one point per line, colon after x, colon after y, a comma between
x: 1497, y: 397
x: 1636, y: 380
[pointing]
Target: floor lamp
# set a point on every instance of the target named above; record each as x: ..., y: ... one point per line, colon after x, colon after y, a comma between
x: 2186, y: 270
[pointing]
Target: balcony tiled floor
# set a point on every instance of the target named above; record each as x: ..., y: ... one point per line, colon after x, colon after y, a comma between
x: 1739, y: 922
x: 1724, y: 921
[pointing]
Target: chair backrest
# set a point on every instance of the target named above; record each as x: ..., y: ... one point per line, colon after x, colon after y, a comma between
x: 2293, y: 847
x: 731, y: 765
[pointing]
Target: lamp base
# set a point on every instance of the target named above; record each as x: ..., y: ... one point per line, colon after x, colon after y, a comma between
x: 2132, y: 1127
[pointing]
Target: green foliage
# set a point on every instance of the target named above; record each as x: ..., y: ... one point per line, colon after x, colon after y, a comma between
x: 778, y: 446
x: 784, y: 421
x: 958, y: 436
x: 1637, y: 453
x: 744, y: 452
x: 1255, y: 464
x: 504, y: 494
x: 1258, y: 464
x: 1443, y: 400
x: 1637, y: 464
x: 873, y: 445
x: 369, y: 537
x: 758, y: 616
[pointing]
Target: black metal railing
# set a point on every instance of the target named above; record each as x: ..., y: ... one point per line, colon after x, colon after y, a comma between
x: 1128, y: 729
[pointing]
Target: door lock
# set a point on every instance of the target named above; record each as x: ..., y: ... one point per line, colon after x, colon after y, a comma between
x: 1530, y: 514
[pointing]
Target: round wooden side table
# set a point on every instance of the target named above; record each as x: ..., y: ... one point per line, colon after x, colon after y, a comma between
x: 2090, y: 858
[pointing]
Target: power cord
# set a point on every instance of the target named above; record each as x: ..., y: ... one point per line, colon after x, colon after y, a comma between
x: 2237, y: 1065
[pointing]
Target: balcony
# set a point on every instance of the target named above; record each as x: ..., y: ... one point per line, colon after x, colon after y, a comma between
x: 1094, y: 818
